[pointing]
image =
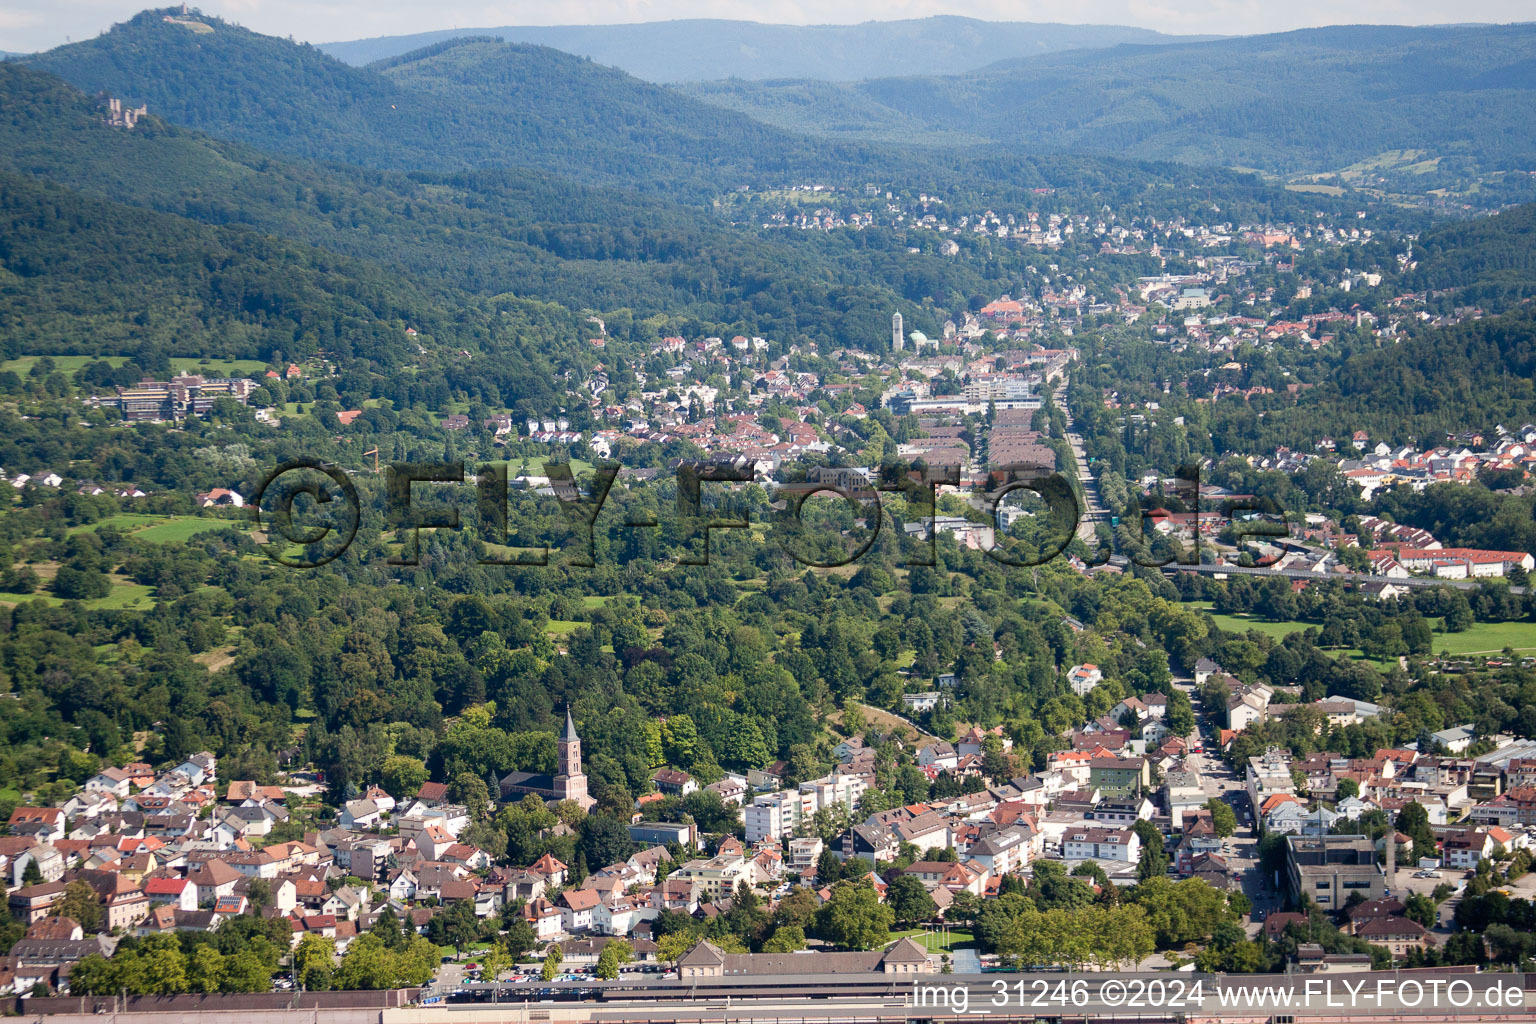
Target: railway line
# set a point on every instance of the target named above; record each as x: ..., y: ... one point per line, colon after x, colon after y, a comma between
x: 1055, y: 997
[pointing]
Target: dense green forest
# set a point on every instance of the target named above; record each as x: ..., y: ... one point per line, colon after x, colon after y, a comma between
x: 1313, y: 100
x: 486, y: 232
x: 1488, y: 261
x: 1441, y: 380
x: 72, y: 272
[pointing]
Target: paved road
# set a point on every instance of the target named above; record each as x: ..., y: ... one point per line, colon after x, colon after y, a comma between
x: 1086, y: 528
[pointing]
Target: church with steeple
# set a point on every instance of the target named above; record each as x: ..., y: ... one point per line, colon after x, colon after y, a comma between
x: 568, y: 782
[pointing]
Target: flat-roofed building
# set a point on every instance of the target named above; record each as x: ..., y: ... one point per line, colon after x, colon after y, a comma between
x: 1328, y: 869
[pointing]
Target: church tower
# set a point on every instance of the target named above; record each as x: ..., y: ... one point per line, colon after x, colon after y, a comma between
x: 570, y: 783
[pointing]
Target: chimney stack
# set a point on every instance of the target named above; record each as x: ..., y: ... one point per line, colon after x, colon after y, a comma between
x: 1391, y: 857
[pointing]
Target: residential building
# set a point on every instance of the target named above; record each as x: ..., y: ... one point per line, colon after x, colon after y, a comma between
x: 1083, y: 678
x: 1114, y: 844
x: 772, y: 816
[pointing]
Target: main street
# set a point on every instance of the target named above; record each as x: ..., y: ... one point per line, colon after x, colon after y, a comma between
x: 1090, y: 486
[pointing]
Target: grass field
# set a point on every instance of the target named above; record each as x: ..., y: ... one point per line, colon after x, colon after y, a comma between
x: 935, y: 942
x: 536, y: 466
x: 122, y: 595
x: 1482, y: 638
x: 219, y: 657
x: 1488, y: 638
x: 22, y: 365
x: 125, y: 521
x: 161, y: 529
x: 219, y: 367
x: 885, y: 721
x: 1243, y: 623
x: 182, y: 528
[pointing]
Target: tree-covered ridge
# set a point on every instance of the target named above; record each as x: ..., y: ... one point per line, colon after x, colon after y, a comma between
x: 88, y: 275
x: 485, y: 232
x: 476, y: 103
x: 1472, y: 375
x: 1489, y: 261
x: 240, y: 84
x: 539, y: 235
x: 703, y: 49
x: 505, y: 105
x: 1313, y: 100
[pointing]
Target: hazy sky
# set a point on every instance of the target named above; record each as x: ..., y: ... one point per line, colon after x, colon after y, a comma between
x: 38, y: 24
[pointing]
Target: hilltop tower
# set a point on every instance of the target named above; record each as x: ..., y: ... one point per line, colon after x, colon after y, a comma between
x: 898, y: 336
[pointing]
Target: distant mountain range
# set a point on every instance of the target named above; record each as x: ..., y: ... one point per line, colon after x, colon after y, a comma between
x: 704, y: 49
x: 476, y: 102
x: 1452, y: 102
x: 455, y: 105
x: 1309, y: 100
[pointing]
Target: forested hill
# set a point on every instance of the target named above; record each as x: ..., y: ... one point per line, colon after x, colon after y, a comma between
x: 578, y: 117
x: 486, y: 232
x: 238, y: 84
x: 1479, y: 372
x: 476, y: 105
x: 1489, y: 261
x: 1311, y: 100
x: 701, y: 49
x: 84, y: 276
x: 588, y: 247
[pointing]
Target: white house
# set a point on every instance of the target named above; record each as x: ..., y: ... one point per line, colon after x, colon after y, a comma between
x: 1463, y: 848
x: 112, y: 781
x: 940, y: 755
x: 544, y: 917
x: 359, y: 815
x: 920, y: 702
x: 1087, y: 843
x: 620, y: 916
x: 576, y: 907
x: 1005, y: 852
x: 1083, y: 678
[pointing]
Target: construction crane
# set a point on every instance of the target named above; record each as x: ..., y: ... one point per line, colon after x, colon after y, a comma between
x: 375, y: 453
